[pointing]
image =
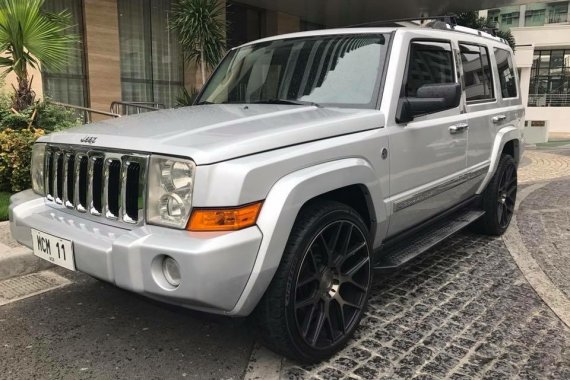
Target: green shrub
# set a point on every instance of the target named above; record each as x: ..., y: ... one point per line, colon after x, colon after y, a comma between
x: 186, y: 98
x: 51, y: 117
x: 18, y: 132
x: 44, y: 115
x: 15, y: 157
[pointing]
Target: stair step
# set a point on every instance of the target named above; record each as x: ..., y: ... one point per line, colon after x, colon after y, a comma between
x: 404, y: 251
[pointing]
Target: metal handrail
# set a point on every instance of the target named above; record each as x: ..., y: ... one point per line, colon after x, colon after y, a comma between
x: 87, y: 112
x: 549, y: 100
x: 124, y: 108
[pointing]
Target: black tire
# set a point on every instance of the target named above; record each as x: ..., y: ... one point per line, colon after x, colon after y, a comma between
x: 314, y: 292
x: 499, y: 199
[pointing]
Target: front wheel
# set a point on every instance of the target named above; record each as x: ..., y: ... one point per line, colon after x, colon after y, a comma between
x: 499, y: 199
x: 320, y: 290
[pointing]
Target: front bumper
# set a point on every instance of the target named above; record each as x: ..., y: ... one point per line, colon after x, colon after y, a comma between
x: 215, y: 267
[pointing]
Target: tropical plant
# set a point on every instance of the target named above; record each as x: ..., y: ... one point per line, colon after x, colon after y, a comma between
x: 28, y: 38
x: 201, y: 30
x: 471, y: 19
x: 15, y: 157
x: 186, y: 98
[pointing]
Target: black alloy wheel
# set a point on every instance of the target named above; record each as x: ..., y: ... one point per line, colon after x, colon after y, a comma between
x: 332, y: 284
x: 498, y: 199
x: 507, y: 195
x: 320, y: 289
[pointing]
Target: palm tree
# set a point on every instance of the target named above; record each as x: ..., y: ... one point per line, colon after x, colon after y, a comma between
x: 471, y: 19
x: 201, y: 29
x: 29, y: 37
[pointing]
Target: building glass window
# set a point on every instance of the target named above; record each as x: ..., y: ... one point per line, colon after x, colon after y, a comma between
x: 152, y: 67
x: 69, y: 84
x: 550, y: 79
x: 510, y: 19
x: 245, y: 23
x: 477, y: 72
x: 546, y: 13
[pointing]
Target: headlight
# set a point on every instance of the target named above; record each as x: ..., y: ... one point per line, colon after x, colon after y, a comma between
x: 37, y: 168
x: 170, y: 183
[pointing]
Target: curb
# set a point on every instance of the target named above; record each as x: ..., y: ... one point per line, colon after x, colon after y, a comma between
x: 263, y: 364
x: 19, y: 261
x: 538, y: 280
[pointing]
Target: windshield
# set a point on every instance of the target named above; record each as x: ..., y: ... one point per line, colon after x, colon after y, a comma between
x: 337, y: 70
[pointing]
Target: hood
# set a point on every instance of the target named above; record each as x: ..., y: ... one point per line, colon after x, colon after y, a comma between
x: 218, y: 132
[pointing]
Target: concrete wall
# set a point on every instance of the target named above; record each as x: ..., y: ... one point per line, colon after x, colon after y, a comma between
x: 103, y: 53
x: 528, y: 40
x: 558, y: 117
x: 547, y: 36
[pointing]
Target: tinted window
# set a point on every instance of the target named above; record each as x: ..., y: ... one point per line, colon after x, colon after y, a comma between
x: 477, y: 72
x: 430, y: 63
x: 506, y: 73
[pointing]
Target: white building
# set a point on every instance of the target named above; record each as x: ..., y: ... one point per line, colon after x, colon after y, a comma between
x: 542, y: 34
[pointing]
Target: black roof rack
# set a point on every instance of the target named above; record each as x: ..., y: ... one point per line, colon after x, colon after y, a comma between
x: 449, y: 19
x: 448, y: 22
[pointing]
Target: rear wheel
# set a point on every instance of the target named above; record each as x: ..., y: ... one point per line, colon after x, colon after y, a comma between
x: 320, y: 289
x: 499, y: 199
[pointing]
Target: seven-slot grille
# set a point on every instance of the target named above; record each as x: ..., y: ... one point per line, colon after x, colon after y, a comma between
x: 96, y: 183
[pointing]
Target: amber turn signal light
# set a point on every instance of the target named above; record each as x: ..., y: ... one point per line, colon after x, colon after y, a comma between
x: 224, y: 219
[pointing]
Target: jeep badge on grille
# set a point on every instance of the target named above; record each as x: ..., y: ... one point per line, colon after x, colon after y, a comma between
x: 89, y: 139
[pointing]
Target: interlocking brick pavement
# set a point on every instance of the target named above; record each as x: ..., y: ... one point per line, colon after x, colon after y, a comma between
x: 544, y: 216
x: 539, y: 166
x: 462, y: 310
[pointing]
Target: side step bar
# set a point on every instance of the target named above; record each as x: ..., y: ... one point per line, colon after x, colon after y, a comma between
x: 399, y: 253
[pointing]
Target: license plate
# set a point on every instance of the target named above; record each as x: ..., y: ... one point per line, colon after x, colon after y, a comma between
x: 53, y: 249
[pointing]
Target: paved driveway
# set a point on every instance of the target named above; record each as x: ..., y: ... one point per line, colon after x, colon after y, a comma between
x: 93, y: 330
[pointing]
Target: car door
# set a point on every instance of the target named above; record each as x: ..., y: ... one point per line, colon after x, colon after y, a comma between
x: 481, y: 103
x: 428, y: 154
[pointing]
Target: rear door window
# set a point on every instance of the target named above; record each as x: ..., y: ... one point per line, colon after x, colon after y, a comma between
x: 477, y: 72
x: 506, y: 73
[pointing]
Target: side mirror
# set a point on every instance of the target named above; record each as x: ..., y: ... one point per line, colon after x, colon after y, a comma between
x: 430, y: 98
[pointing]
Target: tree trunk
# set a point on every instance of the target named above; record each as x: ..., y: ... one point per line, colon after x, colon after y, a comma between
x: 23, y: 95
x: 202, y: 67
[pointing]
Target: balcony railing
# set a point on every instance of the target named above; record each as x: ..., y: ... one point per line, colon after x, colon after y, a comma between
x: 557, y: 18
x: 549, y: 100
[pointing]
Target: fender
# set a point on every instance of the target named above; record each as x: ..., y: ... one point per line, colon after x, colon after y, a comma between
x: 282, y: 206
x: 504, y: 135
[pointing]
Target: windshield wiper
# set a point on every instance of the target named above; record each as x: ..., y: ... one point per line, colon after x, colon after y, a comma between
x: 287, y: 101
x: 202, y: 102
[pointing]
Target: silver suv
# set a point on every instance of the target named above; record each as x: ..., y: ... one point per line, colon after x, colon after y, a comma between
x: 308, y: 161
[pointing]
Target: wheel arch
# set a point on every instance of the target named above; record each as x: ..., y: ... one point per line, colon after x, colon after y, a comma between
x: 507, y: 140
x: 335, y: 180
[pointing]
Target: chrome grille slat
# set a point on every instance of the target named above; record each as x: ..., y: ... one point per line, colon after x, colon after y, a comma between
x: 80, y: 205
x: 98, y: 184
x: 68, y: 159
x: 55, y: 168
x: 48, y: 181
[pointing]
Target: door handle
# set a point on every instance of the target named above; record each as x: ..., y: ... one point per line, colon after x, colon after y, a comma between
x: 498, y: 118
x: 458, y: 128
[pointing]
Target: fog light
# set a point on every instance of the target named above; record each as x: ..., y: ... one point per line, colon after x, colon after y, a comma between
x: 171, y: 271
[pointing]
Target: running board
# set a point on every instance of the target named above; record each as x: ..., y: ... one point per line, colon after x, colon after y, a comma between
x: 401, y: 252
